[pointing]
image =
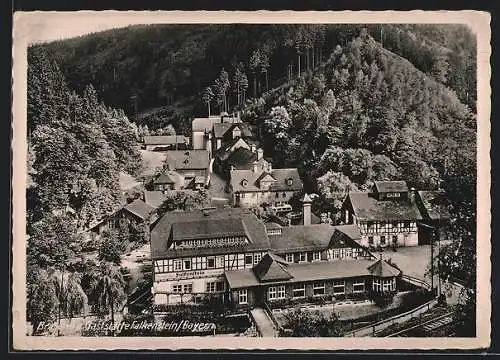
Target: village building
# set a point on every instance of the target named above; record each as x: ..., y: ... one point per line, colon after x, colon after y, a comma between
x: 435, y: 216
x: 192, y: 250
x: 186, y: 169
x: 274, y: 278
x: 386, y: 216
x: 136, y: 212
x: 241, y: 158
x: 261, y: 186
x: 165, y: 142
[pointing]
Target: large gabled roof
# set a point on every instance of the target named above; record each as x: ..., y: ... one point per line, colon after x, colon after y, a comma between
x: 271, y: 268
x: 255, y: 230
x: 208, y: 229
x: 139, y: 208
x: 302, y: 238
x: 367, y: 207
x: 435, y: 205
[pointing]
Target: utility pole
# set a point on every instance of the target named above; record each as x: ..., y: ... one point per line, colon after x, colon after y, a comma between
x: 432, y: 263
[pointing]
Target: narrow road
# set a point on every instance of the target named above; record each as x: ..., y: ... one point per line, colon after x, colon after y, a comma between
x: 264, y: 324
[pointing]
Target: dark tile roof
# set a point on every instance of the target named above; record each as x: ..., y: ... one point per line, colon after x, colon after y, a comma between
x: 188, y: 159
x: 271, y: 268
x: 366, y: 207
x: 241, y: 158
x: 160, y: 233
x: 391, y: 186
x: 344, y: 239
x: 221, y: 128
x: 434, y: 205
x: 208, y: 229
x: 139, y: 208
x: 302, y: 238
x: 281, y: 176
x: 314, y: 271
x: 166, y: 140
x: 351, y: 231
x: 224, y: 152
x: 383, y: 269
x: 154, y: 198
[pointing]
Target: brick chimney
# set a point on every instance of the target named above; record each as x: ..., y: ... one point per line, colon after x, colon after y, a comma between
x: 260, y: 153
x: 306, y: 210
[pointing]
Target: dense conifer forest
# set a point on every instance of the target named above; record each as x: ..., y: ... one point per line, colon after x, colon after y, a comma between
x: 346, y: 104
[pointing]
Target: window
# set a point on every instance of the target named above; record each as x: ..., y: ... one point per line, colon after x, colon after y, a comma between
x: 299, y: 291
x: 289, y: 258
x: 256, y: 258
x: 242, y: 195
x: 303, y: 257
x: 177, y: 289
x: 210, y: 262
x: 338, y: 287
x: 316, y: 256
x: 271, y: 293
x: 220, y: 285
x: 248, y: 259
x: 177, y: 265
x: 277, y: 196
x: 336, y: 254
x: 242, y: 296
x: 384, y: 285
x: 210, y: 287
x: 187, y: 264
x: 281, y: 292
x: 289, y: 181
x: 188, y: 288
x: 370, y: 240
x: 382, y: 240
x: 358, y: 287
x: 393, y: 195
x: 318, y: 289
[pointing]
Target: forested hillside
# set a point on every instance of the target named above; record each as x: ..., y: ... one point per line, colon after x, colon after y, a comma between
x: 156, y: 73
x: 77, y: 146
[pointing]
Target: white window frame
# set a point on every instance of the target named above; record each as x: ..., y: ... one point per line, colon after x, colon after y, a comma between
x: 184, y: 262
x: 338, y: 284
x: 257, y: 258
x: 248, y: 256
x: 208, y: 259
x: 210, y: 287
x: 358, y: 283
x: 304, y: 254
x: 243, y: 296
x: 177, y: 265
x: 377, y: 285
x: 318, y: 286
x: 187, y: 288
x: 177, y: 288
x: 289, y: 258
x: 336, y: 254
x: 272, y: 293
x: 297, y: 288
x: 281, y: 294
x: 318, y: 255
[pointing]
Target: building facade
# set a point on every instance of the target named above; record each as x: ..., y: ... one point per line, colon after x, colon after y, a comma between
x: 167, y: 142
x: 192, y: 250
x: 386, y: 216
x: 274, y: 279
x: 264, y: 186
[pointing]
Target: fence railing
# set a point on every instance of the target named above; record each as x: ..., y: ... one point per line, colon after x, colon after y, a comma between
x: 371, y: 330
x: 275, y: 322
